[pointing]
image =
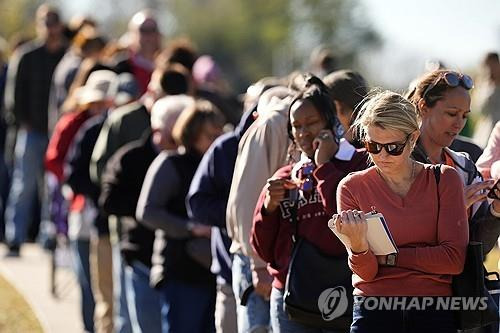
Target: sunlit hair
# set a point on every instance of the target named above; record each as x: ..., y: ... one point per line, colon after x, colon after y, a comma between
x: 387, y: 110
x: 420, y: 85
x: 188, y: 126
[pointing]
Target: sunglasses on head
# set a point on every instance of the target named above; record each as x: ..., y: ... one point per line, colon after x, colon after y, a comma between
x: 393, y: 148
x: 452, y: 80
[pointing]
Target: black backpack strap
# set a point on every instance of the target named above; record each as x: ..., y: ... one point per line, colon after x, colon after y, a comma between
x: 294, y: 206
x: 437, y: 175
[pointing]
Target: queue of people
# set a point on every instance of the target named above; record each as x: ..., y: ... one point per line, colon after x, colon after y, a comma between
x: 176, y: 226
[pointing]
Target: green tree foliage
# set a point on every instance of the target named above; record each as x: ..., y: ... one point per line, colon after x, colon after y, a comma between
x: 17, y: 17
x: 241, y: 35
x: 256, y: 38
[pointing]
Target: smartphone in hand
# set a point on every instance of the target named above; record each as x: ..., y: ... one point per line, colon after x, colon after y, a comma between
x: 491, y: 193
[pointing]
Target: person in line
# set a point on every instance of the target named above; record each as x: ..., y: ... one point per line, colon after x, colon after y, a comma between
x: 489, y: 162
x: 181, y: 252
x: 121, y: 185
x: 261, y: 151
x: 27, y: 90
x: 207, y: 203
x: 347, y: 89
x: 311, y: 126
x: 94, y: 98
x: 126, y: 124
x: 488, y: 98
x: 443, y: 102
x: 143, y: 44
x: 84, y: 215
x: 427, y: 220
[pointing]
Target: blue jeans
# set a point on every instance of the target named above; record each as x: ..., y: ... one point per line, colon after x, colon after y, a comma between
x: 4, y: 191
x: 81, y: 249
x: 279, y: 319
x: 143, y: 301
x: 28, y: 169
x: 187, y: 308
x: 121, y: 318
x: 401, y: 321
x: 255, y: 315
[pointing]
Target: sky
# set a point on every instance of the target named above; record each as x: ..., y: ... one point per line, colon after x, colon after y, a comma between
x: 457, y: 32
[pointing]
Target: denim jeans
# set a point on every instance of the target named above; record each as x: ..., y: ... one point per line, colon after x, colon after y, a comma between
x: 401, y: 321
x: 225, y: 309
x: 81, y: 250
x: 143, y: 301
x: 121, y: 318
x: 28, y: 170
x: 279, y: 319
x: 4, y: 191
x: 254, y: 317
x: 187, y: 308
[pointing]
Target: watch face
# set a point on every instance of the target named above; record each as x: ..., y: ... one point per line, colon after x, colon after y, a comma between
x: 391, y: 259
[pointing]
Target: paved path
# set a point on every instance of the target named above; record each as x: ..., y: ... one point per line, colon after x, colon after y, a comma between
x: 30, y: 275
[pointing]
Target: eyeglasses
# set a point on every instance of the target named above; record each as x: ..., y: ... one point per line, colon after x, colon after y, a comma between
x: 393, y: 148
x: 452, y: 80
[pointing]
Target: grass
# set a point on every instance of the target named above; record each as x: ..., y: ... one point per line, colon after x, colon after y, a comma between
x: 15, y: 314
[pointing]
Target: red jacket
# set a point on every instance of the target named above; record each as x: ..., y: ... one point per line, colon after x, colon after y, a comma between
x: 60, y: 141
x: 271, y: 236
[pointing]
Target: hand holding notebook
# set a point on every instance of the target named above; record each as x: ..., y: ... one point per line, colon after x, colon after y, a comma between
x: 378, y: 235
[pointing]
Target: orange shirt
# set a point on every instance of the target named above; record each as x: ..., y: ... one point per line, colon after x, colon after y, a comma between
x: 431, y: 241
x: 448, y: 160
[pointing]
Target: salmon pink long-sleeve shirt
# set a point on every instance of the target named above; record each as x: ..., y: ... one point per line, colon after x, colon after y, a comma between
x: 430, y: 231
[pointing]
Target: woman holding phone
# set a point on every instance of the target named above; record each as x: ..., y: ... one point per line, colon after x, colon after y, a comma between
x: 443, y: 102
x: 313, y: 128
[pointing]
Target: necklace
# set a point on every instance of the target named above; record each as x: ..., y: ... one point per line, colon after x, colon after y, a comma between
x: 413, y: 168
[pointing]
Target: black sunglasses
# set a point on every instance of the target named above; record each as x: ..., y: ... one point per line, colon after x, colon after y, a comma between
x: 393, y: 148
x: 452, y: 80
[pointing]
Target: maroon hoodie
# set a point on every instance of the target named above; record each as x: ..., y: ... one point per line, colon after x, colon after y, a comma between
x: 271, y: 236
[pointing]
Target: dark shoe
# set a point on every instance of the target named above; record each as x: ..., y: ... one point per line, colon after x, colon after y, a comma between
x: 14, y: 252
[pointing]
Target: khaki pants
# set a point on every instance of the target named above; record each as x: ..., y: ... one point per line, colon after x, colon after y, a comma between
x: 101, y: 273
x: 225, y: 310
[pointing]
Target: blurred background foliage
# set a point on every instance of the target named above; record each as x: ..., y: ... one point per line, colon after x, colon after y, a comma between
x: 250, y: 39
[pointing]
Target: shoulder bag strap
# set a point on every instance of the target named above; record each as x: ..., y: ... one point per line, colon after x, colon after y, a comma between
x: 294, y: 206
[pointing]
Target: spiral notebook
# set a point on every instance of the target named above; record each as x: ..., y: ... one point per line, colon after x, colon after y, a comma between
x: 379, y: 237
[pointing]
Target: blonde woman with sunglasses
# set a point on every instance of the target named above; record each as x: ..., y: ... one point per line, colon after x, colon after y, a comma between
x: 431, y: 235
x: 443, y: 101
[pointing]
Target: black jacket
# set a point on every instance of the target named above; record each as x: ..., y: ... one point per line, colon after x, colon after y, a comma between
x: 121, y: 186
x: 162, y: 207
x: 28, y: 85
x: 76, y: 171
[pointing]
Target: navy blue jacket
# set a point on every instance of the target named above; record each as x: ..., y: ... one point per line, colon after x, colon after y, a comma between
x: 209, y: 192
